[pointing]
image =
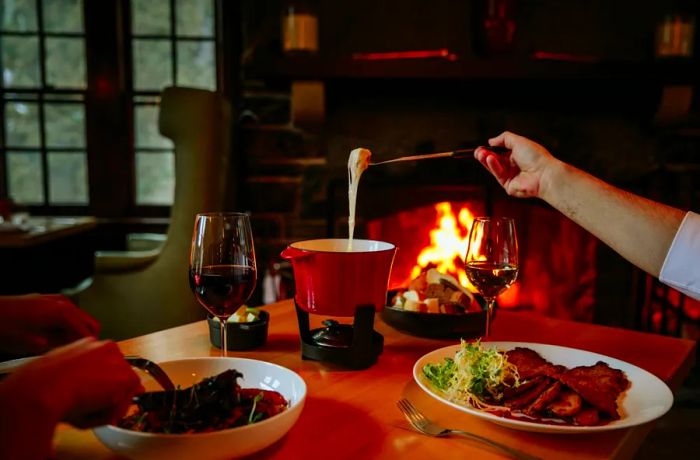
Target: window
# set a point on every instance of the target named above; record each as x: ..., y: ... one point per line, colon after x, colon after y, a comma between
x: 43, y: 152
x: 173, y: 43
x: 46, y: 56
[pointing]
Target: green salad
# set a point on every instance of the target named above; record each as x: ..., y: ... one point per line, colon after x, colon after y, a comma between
x: 475, y: 376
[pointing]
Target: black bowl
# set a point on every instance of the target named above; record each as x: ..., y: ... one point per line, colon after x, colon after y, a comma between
x: 240, y: 336
x: 469, y: 325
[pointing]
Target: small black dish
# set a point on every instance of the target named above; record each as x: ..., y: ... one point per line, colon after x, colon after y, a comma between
x: 240, y: 336
x: 470, y: 325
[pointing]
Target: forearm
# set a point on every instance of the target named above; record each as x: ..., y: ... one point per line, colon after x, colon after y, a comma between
x: 640, y: 230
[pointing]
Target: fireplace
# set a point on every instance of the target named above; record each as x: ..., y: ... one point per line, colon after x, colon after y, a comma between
x: 430, y: 226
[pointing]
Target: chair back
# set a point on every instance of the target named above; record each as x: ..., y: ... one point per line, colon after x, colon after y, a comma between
x: 158, y: 296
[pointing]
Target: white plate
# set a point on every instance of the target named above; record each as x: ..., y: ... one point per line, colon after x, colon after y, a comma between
x: 647, y: 398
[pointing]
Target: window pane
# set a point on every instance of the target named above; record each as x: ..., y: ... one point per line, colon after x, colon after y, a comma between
x: 65, y: 125
x: 65, y: 62
x: 150, y: 17
x: 18, y: 15
x: 20, y: 61
x: 194, y: 18
x: 26, y: 179
x: 68, y: 182
x: 63, y: 16
x: 196, y: 64
x: 146, y: 128
x: 22, y: 124
x: 155, y: 178
x: 152, y: 64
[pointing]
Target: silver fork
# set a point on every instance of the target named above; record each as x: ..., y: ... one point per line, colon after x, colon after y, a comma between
x: 426, y: 426
x: 152, y: 369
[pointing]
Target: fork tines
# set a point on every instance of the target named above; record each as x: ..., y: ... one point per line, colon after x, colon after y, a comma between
x: 411, y: 413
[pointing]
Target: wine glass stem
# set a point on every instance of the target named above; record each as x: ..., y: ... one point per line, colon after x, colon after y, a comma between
x: 222, y: 331
x: 489, y: 311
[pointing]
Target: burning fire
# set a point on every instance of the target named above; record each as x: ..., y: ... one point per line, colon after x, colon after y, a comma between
x: 449, y: 241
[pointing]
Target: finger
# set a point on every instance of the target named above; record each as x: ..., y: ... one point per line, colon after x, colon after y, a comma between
x: 498, y: 140
x: 107, y: 403
x: 27, y: 343
x: 506, y: 138
x: 73, y: 322
x: 91, y: 323
x: 79, y: 346
x: 495, y: 166
x: 36, y: 344
x: 85, y: 320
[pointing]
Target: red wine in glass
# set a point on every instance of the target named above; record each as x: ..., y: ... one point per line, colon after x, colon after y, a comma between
x: 223, y: 288
x: 222, y: 271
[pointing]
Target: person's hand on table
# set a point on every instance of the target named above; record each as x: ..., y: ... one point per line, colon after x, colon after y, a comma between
x: 523, y: 171
x: 86, y: 383
x: 34, y: 324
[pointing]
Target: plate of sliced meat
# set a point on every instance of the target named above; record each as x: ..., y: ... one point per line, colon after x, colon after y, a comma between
x: 542, y: 388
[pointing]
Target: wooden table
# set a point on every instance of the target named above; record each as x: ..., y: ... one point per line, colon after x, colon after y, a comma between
x: 53, y: 254
x: 352, y: 414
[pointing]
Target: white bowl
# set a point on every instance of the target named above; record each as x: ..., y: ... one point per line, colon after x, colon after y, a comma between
x: 223, y: 444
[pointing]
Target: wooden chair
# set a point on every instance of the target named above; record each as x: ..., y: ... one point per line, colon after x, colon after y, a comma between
x: 139, y: 296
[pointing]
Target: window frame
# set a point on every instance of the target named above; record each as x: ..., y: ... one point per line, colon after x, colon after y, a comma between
x: 39, y: 96
x: 147, y: 210
x: 111, y: 157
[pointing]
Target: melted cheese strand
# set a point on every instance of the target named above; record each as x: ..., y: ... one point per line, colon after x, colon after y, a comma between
x: 357, y: 163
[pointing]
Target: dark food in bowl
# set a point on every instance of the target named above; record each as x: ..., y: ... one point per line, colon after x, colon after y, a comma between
x: 215, y: 403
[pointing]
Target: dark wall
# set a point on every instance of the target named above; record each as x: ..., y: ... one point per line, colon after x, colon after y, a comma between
x: 581, y: 78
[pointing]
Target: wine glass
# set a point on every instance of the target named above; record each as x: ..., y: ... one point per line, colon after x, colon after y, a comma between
x: 492, y: 259
x: 222, y: 264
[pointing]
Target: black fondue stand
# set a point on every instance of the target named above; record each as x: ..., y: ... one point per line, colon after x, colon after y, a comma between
x: 354, y: 346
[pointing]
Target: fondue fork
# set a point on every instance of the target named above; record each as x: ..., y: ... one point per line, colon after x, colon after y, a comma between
x: 462, y: 153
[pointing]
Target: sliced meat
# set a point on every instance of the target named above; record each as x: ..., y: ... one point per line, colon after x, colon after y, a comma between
x: 530, y: 364
x: 567, y: 404
x: 587, y: 417
x: 529, y: 396
x: 550, y: 394
x: 513, y: 392
x: 599, y: 385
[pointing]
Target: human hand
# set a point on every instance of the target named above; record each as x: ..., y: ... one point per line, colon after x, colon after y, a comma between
x: 86, y: 383
x: 34, y: 324
x: 522, y: 172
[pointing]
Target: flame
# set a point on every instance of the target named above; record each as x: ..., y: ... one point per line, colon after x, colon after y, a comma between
x: 449, y: 241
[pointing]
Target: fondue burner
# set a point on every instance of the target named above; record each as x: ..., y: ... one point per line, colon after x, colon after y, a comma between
x: 333, y: 280
x: 355, y: 346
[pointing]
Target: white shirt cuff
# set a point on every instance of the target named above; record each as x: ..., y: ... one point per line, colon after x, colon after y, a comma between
x: 681, y: 268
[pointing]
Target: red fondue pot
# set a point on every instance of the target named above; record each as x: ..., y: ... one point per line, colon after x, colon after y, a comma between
x: 330, y: 280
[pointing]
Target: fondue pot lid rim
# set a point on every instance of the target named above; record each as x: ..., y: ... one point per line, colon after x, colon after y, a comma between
x: 298, y: 245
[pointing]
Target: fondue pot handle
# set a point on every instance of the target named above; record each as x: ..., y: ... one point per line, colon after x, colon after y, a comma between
x: 294, y: 253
